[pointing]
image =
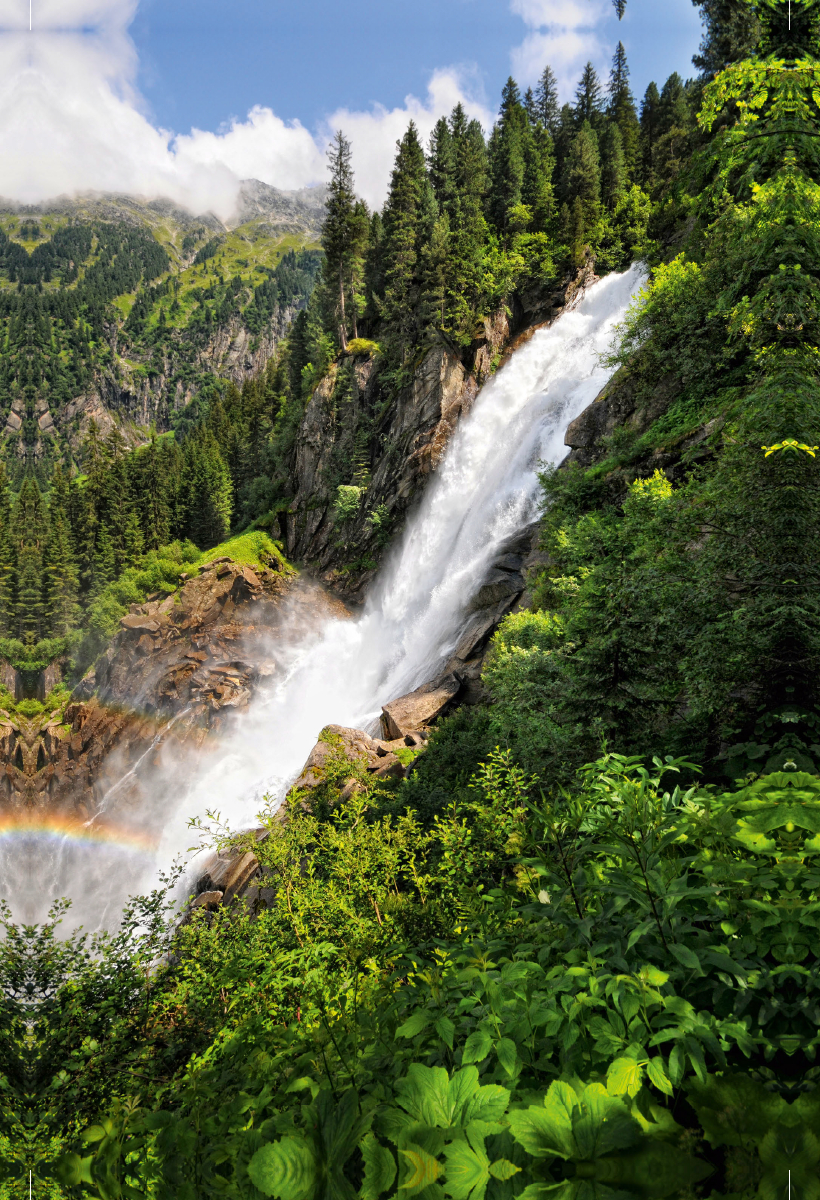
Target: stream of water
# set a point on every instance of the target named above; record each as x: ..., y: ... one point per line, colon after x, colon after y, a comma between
x: 486, y: 489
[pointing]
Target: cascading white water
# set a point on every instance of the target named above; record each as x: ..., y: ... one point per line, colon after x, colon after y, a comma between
x: 486, y: 490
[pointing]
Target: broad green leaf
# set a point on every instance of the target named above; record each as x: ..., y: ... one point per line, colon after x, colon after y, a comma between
x: 421, y: 1169
x: 624, y: 1076
x: 379, y: 1168
x: 415, y: 1024
x: 503, y: 1169
x: 685, y: 956
x: 657, y: 1074
x: 467, y: 1171
x: 94, y: 1133
x: 545, y: 1130
x: 602, y: 1124
x: 286, y: 1169
x: 677, y: 1062
x: 446, y: 1030
x: 477, y: 1047
x: 507, y: 1055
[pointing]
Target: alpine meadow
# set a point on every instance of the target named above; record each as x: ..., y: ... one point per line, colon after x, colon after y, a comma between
x: 409, y: 660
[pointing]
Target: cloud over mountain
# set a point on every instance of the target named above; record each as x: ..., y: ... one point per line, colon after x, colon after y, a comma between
x: 71, y: 120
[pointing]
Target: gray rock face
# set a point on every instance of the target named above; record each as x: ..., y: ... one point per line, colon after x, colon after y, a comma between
x: 418, y: 709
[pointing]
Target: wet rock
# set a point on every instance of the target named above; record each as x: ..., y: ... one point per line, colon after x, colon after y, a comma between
x: 419, y: 708
x: 208, y: 900
x: 228, y: 873
x: 498, y: 587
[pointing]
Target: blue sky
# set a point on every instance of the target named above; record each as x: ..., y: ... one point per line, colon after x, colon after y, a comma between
x: 186, y: 98
x: 202, y: 62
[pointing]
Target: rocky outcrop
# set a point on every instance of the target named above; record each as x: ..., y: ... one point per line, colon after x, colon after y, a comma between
x: 179, y: 666
x: 354, y: 432
x: 420, y: 708
x: 133, y: 401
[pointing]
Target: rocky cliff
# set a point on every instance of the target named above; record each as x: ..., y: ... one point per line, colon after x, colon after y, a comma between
x: 174, y: 673
x: 356, y: 433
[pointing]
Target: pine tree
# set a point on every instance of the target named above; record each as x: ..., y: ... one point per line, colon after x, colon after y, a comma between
x: 530, y: 106
x: 508, y: 148
x: 537, y: 191
x: 614, y: 179
x: 650, y: 130
x: 621, y: 109
x: 620, y: 8
x: 468, y: 233
x: 676, y: 126
x: 401, y: 244
x: 30, y: 533
x: 338, y: 229
x: 674, y: 111
x: 546, y: 100
x: 583, y: 175
x: 440, y: 162
x: 589, y: 97
x: 61, y: 580
x: 208, y: 492
x: 566, y: 135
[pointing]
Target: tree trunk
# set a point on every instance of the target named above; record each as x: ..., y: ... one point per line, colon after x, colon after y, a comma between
x: 343, y: 328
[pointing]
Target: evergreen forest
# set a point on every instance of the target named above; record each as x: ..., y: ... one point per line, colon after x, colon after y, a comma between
x: 573, y: 953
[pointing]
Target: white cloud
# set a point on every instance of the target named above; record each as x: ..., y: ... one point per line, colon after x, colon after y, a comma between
x: 71, y: 120
x: 373, y: 135
x: 563, y: 33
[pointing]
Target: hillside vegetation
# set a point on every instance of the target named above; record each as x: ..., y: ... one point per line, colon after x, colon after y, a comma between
x: 573, y: 954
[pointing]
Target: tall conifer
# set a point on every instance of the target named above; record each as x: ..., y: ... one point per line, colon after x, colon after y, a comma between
x: 339, y: 228
x: 546, y: 99
x: 402, y: 228
x: 589, y: 97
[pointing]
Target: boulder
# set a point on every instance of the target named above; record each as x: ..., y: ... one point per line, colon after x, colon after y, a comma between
x: 354, y: 744
x: 228, y: 873
x: 418, y: 709
x: 498, y: 586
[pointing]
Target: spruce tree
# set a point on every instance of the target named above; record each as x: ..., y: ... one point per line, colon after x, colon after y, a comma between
x: 208, y: 492
x: 61, y: 579
x: 401, y: 239
x: 537, y: 190
x: 546, y: 101
x: 440, y: 162
x: 621, y: 109
x: 338, y: 228
x: 564, y: 139
x: 467, y: 227
x: 589, y: 97
x: 30, y: 533
x: 583, y: 175
x: 508, y: 149
x: 650, y: 131
x: 614, y: 177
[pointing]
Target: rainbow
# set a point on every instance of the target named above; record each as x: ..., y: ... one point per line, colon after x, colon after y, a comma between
x: 51, y: 827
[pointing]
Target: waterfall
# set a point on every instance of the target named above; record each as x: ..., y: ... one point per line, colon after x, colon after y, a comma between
x: 486, y: 489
